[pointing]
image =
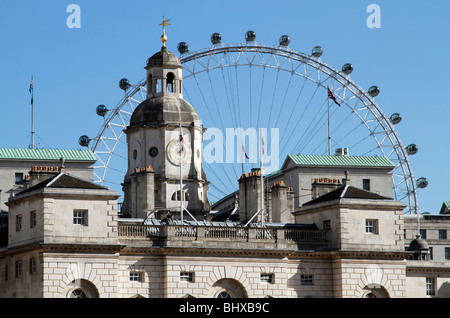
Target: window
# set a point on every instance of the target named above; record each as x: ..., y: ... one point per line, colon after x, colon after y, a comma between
x: 32, y: 266
x: 19, y: 223
x: 80, y: 217
x: 6, y: 272
x: 224, y: 294
x: 78, y: 293
x: 372, y: 226
x: 136, y: 276
x: 186, y: 277
x: 442, y: 234
x: 32, y: 219
x: 327, y: 225
x: 170, y: 82
x: 366, y: 184
x: 447, y: 253
x: 423, y: 233
x: 176, y: 196
x: 18, y: 269
x: 266, y: 278
x: 306, y: 280
x: 431, y: 286
x: 19, y: 178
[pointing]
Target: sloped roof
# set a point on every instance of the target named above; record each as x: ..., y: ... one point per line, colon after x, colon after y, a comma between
x: 355, y: 161
x: 47, y: 154
x: 445, y: 207
x: 66, y: 181
x: 348, y: 192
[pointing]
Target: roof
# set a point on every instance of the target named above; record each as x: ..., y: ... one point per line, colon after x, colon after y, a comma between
x: 348, y: 192
x: 47, y: 154
x: 445, y: 207
x: 66, y: 181
x: 355, y: 161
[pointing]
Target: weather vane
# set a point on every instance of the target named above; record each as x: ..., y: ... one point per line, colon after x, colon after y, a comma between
x: 164, y: 37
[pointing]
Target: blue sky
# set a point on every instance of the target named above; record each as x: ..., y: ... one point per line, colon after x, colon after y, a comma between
x: 77, y: 69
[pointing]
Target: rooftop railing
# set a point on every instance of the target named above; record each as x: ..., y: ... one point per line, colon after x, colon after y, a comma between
x: 174, y: 233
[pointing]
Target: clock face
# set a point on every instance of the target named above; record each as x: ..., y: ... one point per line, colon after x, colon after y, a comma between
x: 173, y: 153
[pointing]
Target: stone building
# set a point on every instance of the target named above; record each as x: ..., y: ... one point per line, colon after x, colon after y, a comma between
x: 65, y: 238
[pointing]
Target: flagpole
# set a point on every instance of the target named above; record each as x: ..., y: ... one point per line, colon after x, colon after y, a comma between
x: 32, y: 113
x: 329, y: 133
x: 262, y: 178
x: 181, y: 177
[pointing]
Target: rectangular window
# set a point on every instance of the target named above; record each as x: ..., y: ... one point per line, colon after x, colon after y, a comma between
x: 158, y: 85
x: 18, y: 178
x: 431, y: 252
x: 18, y: 269
x: 447, y: 253
x: 366, y: 184
x: 306, y: 280
x: 327, y: 225
x: 80, y: 217
x: 442, y: 234
x: 372, y: 226
x: 423, y: 233
x: 19, y: 223
x: 431, y: 286
x: 32, y: 219
x: 186, y: 277
x: 136, y: 276
x: 266, y: 278
x: 32, y: 266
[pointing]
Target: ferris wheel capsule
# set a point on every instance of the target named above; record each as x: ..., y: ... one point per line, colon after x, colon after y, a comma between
x: 347, y: 68
x: 422, y: 183
x: 182, y: 47
x: 395, y: 118
x: 412, y: 149
x: 317, y: 51
x: 216, y: 38
x: 84, y: 141
x: 250, y: 36
x: 285, y: 40
x: 101, y: 110
x: 374, y: 91
x: 124, y: 84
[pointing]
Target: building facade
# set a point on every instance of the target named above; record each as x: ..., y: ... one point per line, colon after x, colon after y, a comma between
x: 346, y: 239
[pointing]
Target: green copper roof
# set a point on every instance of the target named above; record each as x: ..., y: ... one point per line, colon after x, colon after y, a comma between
x: 47, y: 154
x: 355, y: 161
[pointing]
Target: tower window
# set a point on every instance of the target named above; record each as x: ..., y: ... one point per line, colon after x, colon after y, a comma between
x: 176, y: 196
x: 159, y: 85
x: 170, y: 82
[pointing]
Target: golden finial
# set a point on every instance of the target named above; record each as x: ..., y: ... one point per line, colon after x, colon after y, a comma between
x: 164, y: 37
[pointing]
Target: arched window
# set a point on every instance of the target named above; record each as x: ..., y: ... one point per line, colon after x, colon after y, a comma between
x: 176, y: 196
x: 170, y: 82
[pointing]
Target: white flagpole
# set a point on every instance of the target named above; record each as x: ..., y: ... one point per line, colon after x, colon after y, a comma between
x: 181, y: 176
x: 329, y: 132
x: 262, y: 178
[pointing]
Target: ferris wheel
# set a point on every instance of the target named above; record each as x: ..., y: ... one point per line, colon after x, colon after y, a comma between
x: 253, y: 85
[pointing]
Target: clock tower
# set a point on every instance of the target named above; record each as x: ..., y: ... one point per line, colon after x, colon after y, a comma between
x: 159, y: 163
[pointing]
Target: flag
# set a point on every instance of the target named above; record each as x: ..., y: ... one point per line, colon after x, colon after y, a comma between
x: 330, y: 95
x: 31, y: 90
x: 181, y: 140
x: 245, y: 153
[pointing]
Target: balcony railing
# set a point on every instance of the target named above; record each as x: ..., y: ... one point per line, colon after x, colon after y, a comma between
x: 224, y: 234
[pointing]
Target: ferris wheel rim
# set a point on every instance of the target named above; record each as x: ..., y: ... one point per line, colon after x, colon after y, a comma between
x: 314, y: 62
